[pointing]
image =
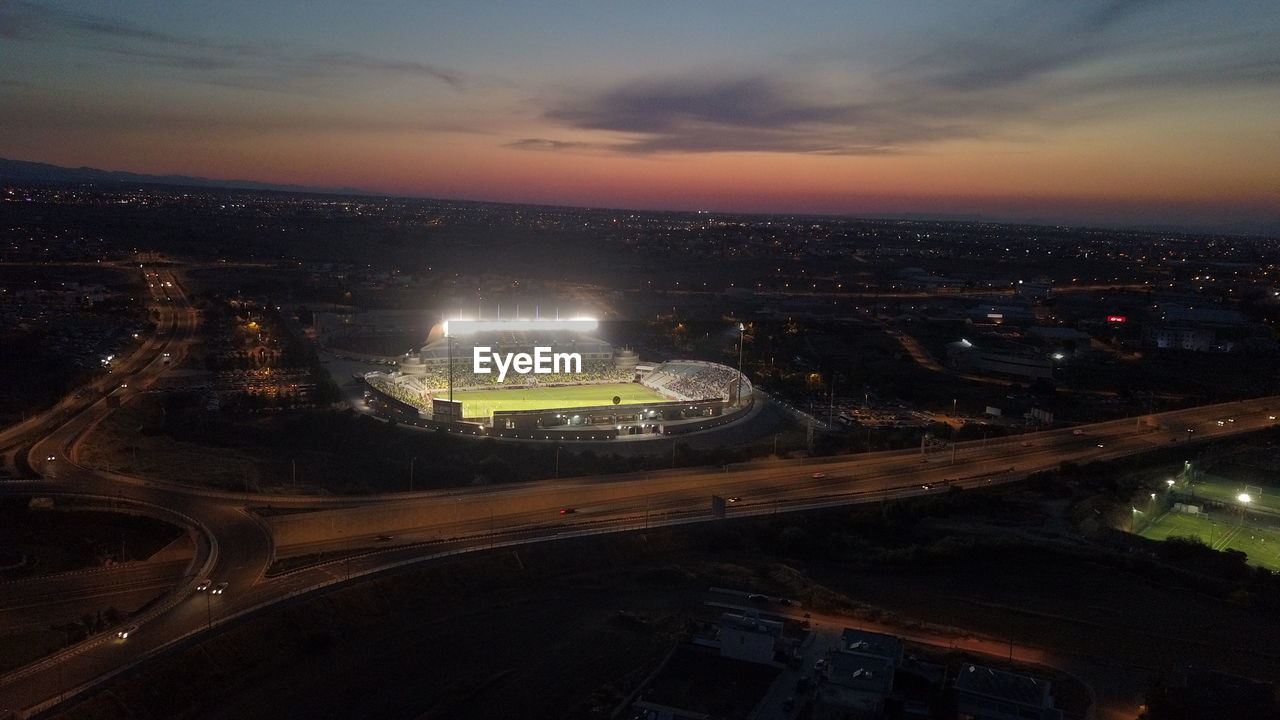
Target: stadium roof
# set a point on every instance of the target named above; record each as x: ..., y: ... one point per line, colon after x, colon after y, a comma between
x: 557, y: 340
x: 458, y: 328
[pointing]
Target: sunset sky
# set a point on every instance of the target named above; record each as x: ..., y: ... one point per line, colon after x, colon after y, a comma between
x: 1103, y: 112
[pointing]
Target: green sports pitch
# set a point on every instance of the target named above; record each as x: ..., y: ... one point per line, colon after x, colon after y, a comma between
x: 1227, y: 492
x: 1261, y: 545
x: 483, y: 403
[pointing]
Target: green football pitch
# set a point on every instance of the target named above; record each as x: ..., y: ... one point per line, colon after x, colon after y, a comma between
x: 1262, y: 545
x: 483, y: 403
x: 1227, y: 491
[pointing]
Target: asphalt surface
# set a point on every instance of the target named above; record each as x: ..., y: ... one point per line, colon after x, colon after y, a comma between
x: 43, y: 600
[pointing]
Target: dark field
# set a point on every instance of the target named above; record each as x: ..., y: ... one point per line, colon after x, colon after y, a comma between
x: 56, y: 539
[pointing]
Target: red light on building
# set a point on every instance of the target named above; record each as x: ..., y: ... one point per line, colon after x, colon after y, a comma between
x: 1116, y: 318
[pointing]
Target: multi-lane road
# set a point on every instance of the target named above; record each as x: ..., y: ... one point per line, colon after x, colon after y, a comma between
x: 44, y: 600
x: 373, y: 534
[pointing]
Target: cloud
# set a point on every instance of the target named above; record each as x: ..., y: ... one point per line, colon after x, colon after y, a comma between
x: 545, y: 144
x: 743, y: 114
x: 277, y: 66
x: 1034, y: 69
x: 360, y: 61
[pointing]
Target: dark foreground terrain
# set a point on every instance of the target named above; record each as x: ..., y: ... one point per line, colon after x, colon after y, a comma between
x: 568, y: 630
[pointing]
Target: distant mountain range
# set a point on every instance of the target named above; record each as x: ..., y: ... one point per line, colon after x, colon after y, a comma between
x: 24, y: 171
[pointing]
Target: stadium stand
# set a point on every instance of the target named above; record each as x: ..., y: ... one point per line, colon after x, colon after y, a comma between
x: 690, y: 380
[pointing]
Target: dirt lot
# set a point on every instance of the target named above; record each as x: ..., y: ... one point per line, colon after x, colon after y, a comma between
x: 59, y: 539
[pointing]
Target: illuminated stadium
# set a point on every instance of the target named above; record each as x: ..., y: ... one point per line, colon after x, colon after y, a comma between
x: 572, y: 385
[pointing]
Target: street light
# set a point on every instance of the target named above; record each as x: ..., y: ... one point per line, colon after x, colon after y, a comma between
x: 1169, y: 482
x: 742, y: 329
x: 1244, y: 498
x: 953, y: 431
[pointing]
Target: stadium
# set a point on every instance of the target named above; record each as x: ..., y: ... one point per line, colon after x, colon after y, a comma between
x: 609, y: 393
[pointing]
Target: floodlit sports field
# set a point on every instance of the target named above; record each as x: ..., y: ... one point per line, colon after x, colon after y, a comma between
x: 483, y: 403
x: 1227, y: 491
x: 1262, y: 545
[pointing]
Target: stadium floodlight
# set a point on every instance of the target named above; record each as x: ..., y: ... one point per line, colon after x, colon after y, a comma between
x: 1245, y: 498
x: 453, y: 328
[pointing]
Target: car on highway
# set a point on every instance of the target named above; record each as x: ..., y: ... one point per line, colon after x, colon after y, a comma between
x: 1271, y: 417
x: 1101, y: 445
x: 757, y: 597
x: 818, y: 476
x: 1077, y: 432
x: 204, y: 585
x: 1222, y: 423
x: 567, y: 511
x: 218, y: 589
x: 126, y: 632
x: 926, y: 486
x: 50, y: 458
x: 734, y: 499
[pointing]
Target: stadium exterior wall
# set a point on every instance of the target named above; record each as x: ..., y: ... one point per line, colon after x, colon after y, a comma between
x: 398, y: 412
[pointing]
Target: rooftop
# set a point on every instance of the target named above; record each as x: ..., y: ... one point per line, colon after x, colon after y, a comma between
x: 1021, y: 689
x: 871, y: 643
x: 747, y: 623
x: 861, y: 672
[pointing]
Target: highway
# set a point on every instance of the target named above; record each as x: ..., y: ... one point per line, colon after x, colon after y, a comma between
x: 236, y: 546
x: 44, y: 600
